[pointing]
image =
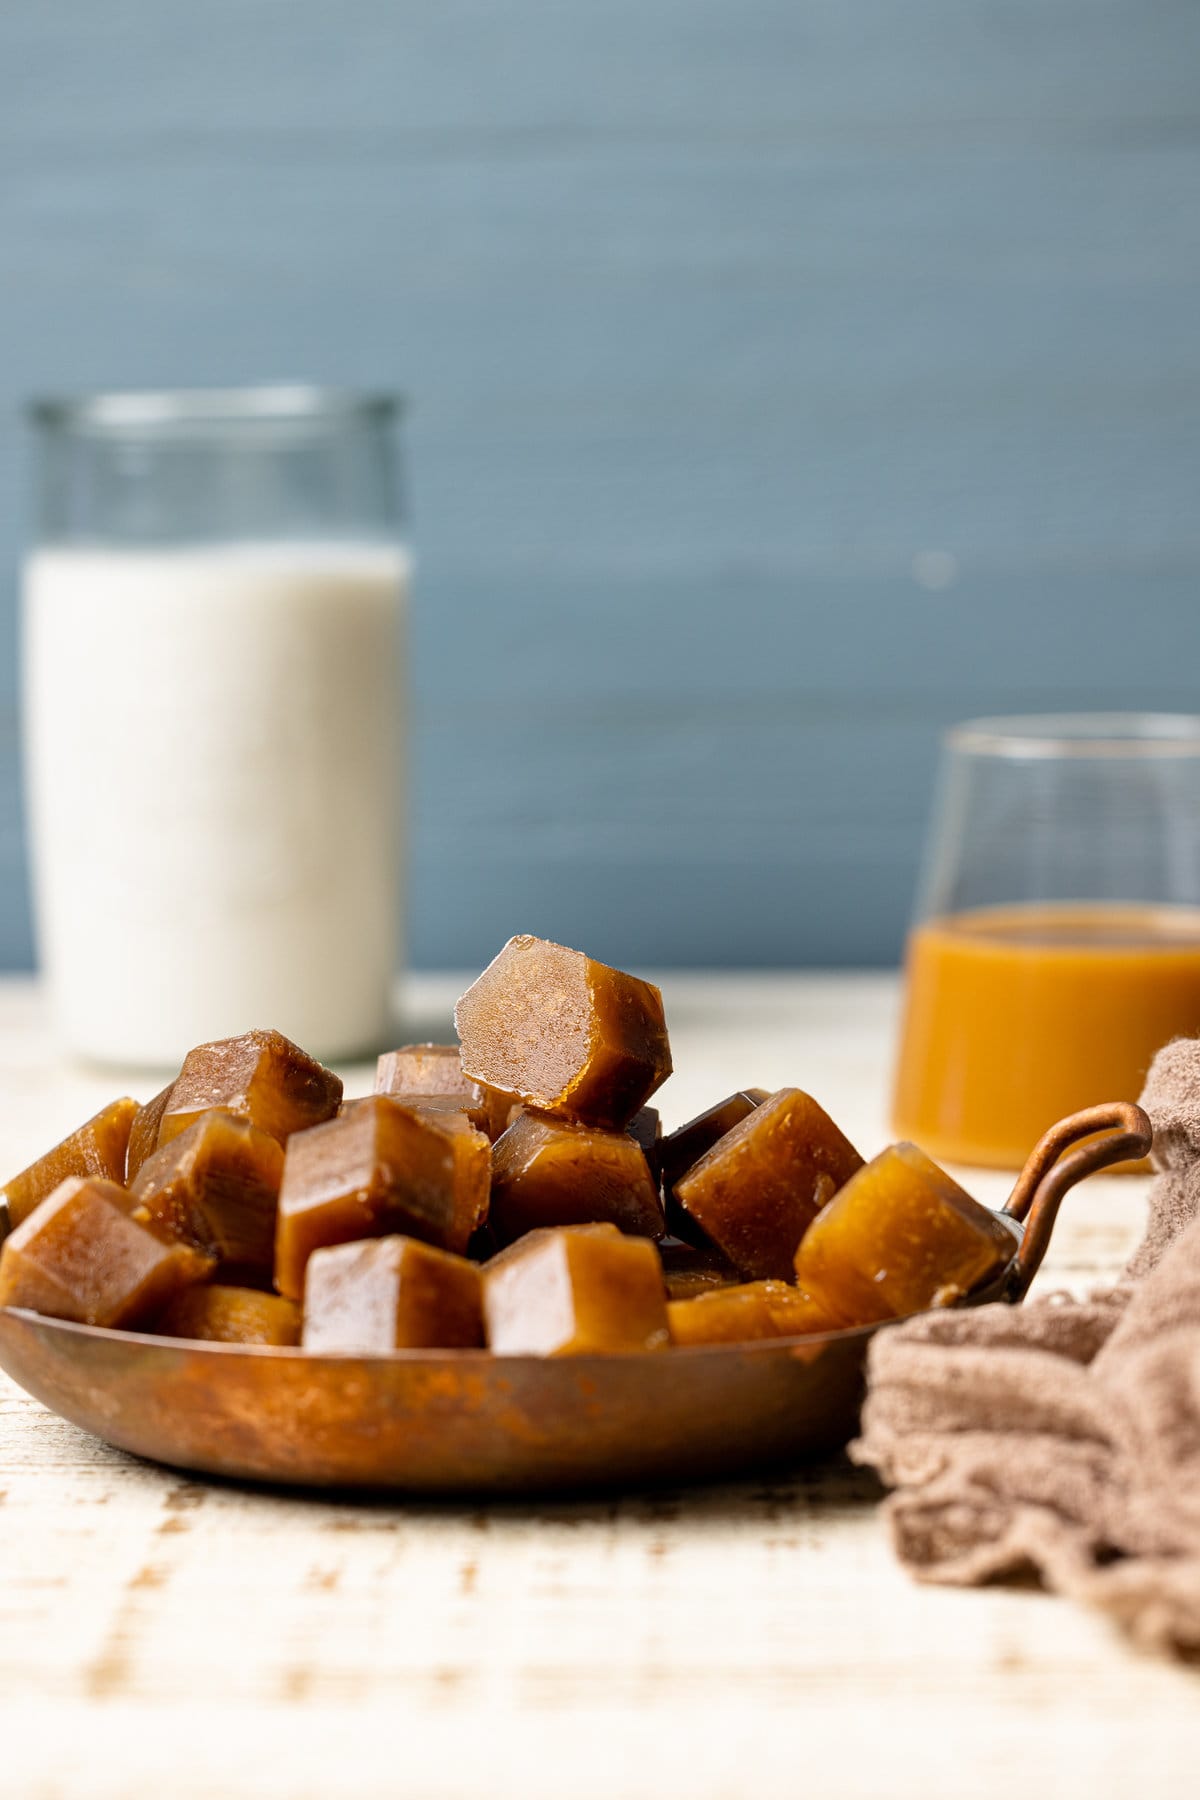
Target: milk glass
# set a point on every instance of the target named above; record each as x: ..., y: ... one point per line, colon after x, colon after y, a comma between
x: 213, y: 691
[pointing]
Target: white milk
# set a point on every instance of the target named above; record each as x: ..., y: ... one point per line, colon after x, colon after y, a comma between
x: 213, y: 742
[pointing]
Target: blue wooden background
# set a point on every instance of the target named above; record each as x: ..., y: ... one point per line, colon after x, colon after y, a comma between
x: 789, y: 378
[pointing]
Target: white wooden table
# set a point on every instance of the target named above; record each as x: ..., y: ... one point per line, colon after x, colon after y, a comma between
x: 160, y: 1635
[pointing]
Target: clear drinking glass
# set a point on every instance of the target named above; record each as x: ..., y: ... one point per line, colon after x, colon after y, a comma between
x: 213, y: 718
x: 1056, y: 943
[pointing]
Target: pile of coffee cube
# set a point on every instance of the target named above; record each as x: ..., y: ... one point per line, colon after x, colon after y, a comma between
x: 513, y: 1191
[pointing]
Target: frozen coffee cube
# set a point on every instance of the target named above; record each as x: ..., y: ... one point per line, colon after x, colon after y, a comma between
x: 575, y: 1291
x: 391, y: 1293
x: 220, y: 1314
x: 691, y: 1269
x: 378, y: 1170
x: 645, y: 1128
x: 564, y: 1034
x: 216, y: 1186
x: 757, y: 1190
x: 97, y: 1148
x: 260, y: 1076
x: 682, y: 1148
x: 82, y: 1255
x: 900, y: 1236
x: 430, y: 1075
x: 550, y: 1172
x: 143, y: 1132
x: 738, y: 1315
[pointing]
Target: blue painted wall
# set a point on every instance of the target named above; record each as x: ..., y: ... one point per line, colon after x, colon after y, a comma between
x: 719, y: 317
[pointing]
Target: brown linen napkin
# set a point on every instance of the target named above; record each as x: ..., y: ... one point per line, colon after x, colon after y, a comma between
x: 1062, y: 1437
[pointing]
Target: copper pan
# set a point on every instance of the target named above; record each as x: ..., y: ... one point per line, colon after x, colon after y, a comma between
x: 466, y: 1422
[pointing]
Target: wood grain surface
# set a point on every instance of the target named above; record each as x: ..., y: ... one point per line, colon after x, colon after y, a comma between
x: 160, y: 1634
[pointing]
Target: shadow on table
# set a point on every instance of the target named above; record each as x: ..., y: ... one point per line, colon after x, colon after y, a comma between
x: 834, y: 1484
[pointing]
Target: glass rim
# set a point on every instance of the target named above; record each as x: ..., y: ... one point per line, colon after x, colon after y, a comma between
x: 1082, y: 735
x: 282, y: 403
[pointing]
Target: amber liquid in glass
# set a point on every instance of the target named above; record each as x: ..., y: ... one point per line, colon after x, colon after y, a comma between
x: 1016, y: 1015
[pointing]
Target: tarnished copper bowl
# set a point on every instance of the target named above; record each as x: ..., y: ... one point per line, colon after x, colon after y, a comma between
x: 466, y: 1422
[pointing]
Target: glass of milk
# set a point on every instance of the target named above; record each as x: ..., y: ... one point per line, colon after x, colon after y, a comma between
x: 213, y: 719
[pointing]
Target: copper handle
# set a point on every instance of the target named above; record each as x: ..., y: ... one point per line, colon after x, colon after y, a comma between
x: 1049, y: 1173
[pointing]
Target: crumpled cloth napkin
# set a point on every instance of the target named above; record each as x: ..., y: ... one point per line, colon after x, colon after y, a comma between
x: 1062, y: 1438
